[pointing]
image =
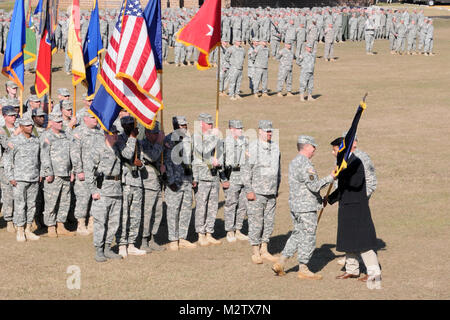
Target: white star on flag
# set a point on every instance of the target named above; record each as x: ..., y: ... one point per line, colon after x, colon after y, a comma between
x: 211, y: 30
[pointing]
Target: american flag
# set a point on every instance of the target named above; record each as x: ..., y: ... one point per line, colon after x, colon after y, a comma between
x: 128, y: 72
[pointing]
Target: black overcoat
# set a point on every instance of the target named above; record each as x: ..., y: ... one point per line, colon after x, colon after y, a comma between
x: 355, y: 232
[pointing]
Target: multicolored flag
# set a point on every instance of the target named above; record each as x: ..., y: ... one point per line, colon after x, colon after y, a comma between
x: 152, y: 16
x: 47, y: 48
x: 203, y: 31
x: 30, y: 47
x: 74, y: 50
x: 92, y: 48
x: 13, y: 61
x: 346, y: 144
x: 128, y: 72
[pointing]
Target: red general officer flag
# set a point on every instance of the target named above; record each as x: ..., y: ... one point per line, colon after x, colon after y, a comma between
x: 203, y: 31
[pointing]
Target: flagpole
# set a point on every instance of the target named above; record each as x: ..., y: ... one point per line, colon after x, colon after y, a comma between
x: 21, y: 103
x: 217, y: 89
x: 74, y: 101
x: 161, y: 111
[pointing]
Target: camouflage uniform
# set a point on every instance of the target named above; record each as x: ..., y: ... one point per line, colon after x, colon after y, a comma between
x: 329, y: 43
x: 235, y: 57
x: 286, y: 57
x: 369, y: 170
x: 56, y: 162
x: 301, y: 39
x: 250, y: 68
x: 306, y: 61
x: 22, y: 163
x: 260, y: 58
x: 151, y: 155
x: 224, y: 69
x: 207, y: 177
x: 235, y: 206
x: 178, y: 194
x: 132, y: 191
x: 84, y: 140
x: 106, y: 161
x: 261, y: 175
x: 304, y: 201
x: 6, y: 187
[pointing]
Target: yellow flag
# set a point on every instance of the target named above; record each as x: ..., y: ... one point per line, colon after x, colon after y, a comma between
x: 74, y: 49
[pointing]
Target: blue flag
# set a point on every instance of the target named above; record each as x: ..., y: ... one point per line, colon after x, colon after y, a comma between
x: 152, y: 16
x: 38, y: 8
x: 104, y: 108
x: 13, y: 62
x: 92, y: 48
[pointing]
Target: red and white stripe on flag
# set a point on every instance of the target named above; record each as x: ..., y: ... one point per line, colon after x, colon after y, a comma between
x: 128, y: 72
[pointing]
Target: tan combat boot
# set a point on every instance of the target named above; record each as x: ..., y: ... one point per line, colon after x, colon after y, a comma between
x: 211, y: 240
x: 304, y: 273
x: 81, y: 229
x: 34, y: 226
x: 256, y: 95
x: 240, y: 236
x: 256, y: 257
x: 20, y: 236
x: 173, y: 246
x: 289, y: 94
x: 302, y: 97
x: 279, y: 94
x: 264, y: 95
x: 10, y: 227
x: 62, y: 231
x: 202, y: 240
x: 183, y: 243
x: 231, y: 237
x: 51, y: 233
x: 233, y: 98
x: 29, y: 234
x: 90, y: 226
x: 278, y: 267
x: 133, y: 251
x: 123, y: 251
x: 310, y: 98
x: 265, y: 253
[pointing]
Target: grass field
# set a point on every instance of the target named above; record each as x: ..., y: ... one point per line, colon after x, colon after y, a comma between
x: 405, y: 130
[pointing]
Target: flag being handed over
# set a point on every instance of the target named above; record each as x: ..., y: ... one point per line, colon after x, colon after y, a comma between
x: 203, y: 31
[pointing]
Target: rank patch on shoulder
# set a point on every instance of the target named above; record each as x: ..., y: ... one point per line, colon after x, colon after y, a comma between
x: 311, y: 177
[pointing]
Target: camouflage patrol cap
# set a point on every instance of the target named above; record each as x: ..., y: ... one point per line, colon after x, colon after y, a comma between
x: 9, y: 111
x: 38, y: 112
x: 11, y: 84
x: 63, y: 92
x: 179, y: 120
x: 34, y: 98
x: 155, y: 128
x: 88, y: 114
x: 265, y: 125
x: 66, y: 105
x: 237, y: 124
x: 309, y: 45
x: 127, y: 120
x: 26, y: 120
x: 307, y: 140
x: 55, y: 116
x: 206, y: 117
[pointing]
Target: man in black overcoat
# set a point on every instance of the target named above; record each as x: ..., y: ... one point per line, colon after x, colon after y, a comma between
x: 356, y: 232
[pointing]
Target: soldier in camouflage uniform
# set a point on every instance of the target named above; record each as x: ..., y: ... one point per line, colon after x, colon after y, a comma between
x: 56, y: 167
x: 224, y: 68
x: 84, y: 140
x: 286, y: 58
x: 22, y: 169
x: 412, y: 37
x: 329, y: 43
x: 6, y: 132
x: 206, y: 172
x: 260, y: 57
x: 103, y: 177
x: 165, y: 42
x: 63, y: 94
x: 235, y: 56
x: 275, y: 39
x: 261, y: 175
x: 152, y: 175
x: 307, y: 61
x: 132, y: 192
x: 304, y: 201
x: 178, y: 194
x: 69, y: 121
x: 235, y: 206
x: 300, y: 39
x: 428, y: 47
x: 250, y: 65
